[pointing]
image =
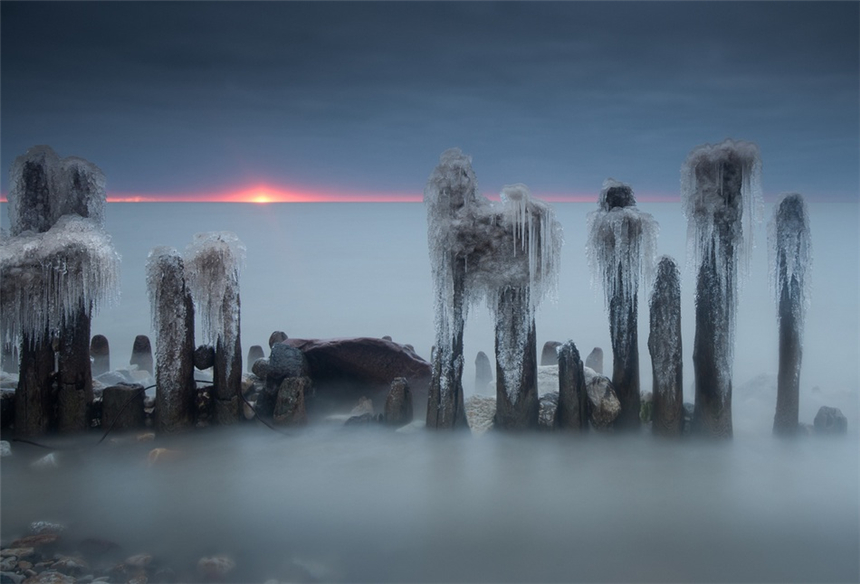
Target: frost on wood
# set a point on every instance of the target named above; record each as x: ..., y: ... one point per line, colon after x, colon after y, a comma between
x: 722, y: 200
x: 621, y: 249
x: 43, y: 188
x: 790, y: 261
x: 213, y: 262
x: 478, y: 251
x: 790, y: 254
x: 173, y: 322
x: 664, y: 344
x: 46, y: 277
x: 721, y: 197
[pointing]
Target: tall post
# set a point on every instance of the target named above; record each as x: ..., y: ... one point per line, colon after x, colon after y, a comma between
x: 621, y: 246
x: 445, y: 403
x: 721, y: 199
x: 227, y: 370
x: 74, y: 372
x: 517, y: 405
x: 173, y: 321
x: 790, y: 247
x: 664, y: 344
x: 572, y: 412
x: 34, y: 402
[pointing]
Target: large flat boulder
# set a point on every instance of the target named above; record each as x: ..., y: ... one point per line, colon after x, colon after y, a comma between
x: 342, y: 367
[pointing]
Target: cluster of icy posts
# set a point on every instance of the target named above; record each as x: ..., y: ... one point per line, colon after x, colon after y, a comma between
x: 508, y: 256
x: 58, y: 266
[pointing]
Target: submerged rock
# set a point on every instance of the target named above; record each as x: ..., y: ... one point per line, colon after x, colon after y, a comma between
x: 215, y: 568
x: 398, y: 404
x: 289, y: 407
x: 549, y: 354
x: 546, y: 414
x: 830, y: 421
x: 604, y: 406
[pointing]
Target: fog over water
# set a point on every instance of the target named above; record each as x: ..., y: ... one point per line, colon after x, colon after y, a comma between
x: 340, y: 270
x: 332, y: 504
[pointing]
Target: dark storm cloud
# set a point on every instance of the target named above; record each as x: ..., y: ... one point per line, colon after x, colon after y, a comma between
x: 365, y: 95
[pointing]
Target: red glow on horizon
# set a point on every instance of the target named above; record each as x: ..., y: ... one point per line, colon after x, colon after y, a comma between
x: 265, y: 194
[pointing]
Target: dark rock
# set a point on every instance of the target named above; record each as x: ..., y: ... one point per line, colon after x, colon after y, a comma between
x: 254, y: 353
x: 548, y: 405
x: 141, y: 353
x: 100, y: 354
x: 341, y: 368
x: 364, y: 419
x: 386, y: 338
x: 260, y: 368
x: 287, y: 361
x: 595, y: 360
x: 604, y: 406
x: 483, y: 372
x: 277, y: 337
x: 50, y: 577
x: 289, y: 407
x: 204, y: 357
x: 398, y: 404
x: 123, y: 407
x: 830, y: 421
x: 11, y: 578
x: 549, y: 354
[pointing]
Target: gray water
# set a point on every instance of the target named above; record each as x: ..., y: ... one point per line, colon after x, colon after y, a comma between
x: 368, y: 505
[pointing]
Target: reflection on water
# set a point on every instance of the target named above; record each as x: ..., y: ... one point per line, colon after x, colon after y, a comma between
x: 365, y: 504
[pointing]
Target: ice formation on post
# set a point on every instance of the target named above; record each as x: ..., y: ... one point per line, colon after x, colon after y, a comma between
x: 173, y: 322
x: 664, y: 344
x: 506, y: 255
x: 621, y: 249
x: 452, y: 200
x: 790, y: 254
x: 213, y: 262
x: 56, y: 269
x: 721, y: 197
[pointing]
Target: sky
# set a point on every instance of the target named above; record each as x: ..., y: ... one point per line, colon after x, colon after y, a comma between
x: 356, y: 101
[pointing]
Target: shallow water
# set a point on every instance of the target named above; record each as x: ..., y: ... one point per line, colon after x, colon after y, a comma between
x: 366, y: 504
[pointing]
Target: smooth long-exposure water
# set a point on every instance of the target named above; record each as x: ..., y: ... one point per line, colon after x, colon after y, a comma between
x: 370, y: 505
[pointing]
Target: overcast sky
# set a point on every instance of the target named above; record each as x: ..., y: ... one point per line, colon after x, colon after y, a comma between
x: 197, y: 97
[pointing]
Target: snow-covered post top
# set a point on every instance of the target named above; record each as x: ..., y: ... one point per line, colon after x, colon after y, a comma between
x: 213, y: 262
x: 622, y: 241
x: 790, y: 251
x: 537, y: 237
x: 46, y: 277
x: 713, y: 178
x: 43, y: 188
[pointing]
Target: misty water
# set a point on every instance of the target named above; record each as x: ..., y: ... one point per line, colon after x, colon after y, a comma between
x: 329, y: 503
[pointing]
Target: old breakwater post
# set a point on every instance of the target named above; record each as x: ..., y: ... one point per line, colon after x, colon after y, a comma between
x: 173, y: 322
x: 790, y: 251
x: 56, y: 270
x: 664, y: 344
x: 621, y: 248
x: 721, y: 197
x: 213, y: 262
x: 451, y: 196
x: 505, y: 256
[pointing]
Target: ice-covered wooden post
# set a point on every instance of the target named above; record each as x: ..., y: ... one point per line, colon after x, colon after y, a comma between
x: 56, y: 269
x: 790, y: 247
x: 213, y: 262
x: 521, y: 269
x: 721, y: 196
x: 451, y: 197
x: 621, y: 247
x: 664, y: 344
x: 572, y: 412
x: 173, y: 322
